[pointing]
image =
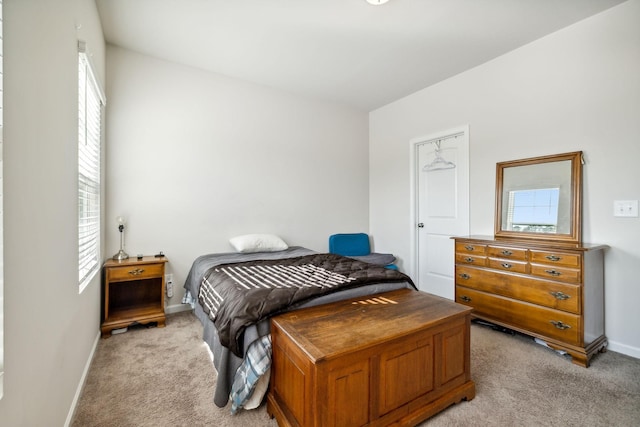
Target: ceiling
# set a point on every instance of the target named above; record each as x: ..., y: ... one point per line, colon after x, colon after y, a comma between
x: 344, y: 51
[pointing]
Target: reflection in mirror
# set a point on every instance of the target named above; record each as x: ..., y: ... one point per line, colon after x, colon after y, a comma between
x: 534, y: 211
x: 539, y: 198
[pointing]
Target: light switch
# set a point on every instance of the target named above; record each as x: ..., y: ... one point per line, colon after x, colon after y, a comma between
x: 627, y: 208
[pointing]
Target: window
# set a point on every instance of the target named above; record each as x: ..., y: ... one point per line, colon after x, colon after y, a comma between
x: 534, y: 210
x: 90, y: 102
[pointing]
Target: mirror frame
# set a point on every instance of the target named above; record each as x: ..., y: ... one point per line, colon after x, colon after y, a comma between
x: 575, y: 228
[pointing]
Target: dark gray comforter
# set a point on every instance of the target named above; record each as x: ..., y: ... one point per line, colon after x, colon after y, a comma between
x: 240, y: 294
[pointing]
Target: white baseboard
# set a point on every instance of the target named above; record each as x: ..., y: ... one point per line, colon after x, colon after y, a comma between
x: 83, y: 378
x: 177, y: 308
x: 624, y: 349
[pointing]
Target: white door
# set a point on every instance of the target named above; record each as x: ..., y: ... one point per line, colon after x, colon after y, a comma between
x: 441, y: 202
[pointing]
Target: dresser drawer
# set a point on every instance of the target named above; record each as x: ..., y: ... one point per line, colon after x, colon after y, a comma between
x: 463, y: 258
x: 565, y: 259
x: 561, y: 296
x: 550, y: 323
x: 470, y: 248
x: 517, y: 254
x: 509, y: 265
x: 556, y: 273
x: 134, y: 272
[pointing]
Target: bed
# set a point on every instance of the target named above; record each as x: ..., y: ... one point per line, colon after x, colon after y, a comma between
x: 241, y: 345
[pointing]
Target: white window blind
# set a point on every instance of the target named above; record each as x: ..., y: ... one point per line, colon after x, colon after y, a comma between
x: 90, y: 101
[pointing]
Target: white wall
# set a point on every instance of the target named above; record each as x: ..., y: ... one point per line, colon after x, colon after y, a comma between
x: 196, y: 158
x: 577, y: 89
x: 50, y: 329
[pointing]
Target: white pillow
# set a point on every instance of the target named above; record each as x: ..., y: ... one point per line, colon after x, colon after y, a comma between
x: 258, y: 243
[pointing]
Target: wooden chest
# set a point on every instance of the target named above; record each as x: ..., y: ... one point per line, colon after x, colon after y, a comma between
x: 392, y: 359
x: 550, y: 291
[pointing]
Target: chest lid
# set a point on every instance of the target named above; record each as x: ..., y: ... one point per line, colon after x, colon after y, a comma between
x: 342, y: 327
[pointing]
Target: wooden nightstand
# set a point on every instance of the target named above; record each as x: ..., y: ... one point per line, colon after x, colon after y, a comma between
x: 133, y: 293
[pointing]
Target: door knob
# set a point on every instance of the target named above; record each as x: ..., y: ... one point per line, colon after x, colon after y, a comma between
x: 421, y: 225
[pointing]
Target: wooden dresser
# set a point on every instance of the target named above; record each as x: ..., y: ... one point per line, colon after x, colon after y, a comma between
x: 392, y: 359
x: 554, y: 292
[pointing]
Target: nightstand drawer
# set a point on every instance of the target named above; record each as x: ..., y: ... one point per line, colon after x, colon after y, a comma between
x: 134, y: 272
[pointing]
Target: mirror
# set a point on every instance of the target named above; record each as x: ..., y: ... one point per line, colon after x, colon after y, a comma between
x: 540, y: 198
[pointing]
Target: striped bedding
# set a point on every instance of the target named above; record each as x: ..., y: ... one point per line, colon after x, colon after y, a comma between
x: 240, y: 294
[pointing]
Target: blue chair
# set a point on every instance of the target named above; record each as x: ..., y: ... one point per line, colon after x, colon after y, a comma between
x: 356, y: 245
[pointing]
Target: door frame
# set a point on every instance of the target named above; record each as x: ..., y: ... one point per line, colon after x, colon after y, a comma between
x: 414, y: 144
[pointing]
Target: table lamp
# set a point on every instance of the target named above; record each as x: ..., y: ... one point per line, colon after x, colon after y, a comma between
x: 121, y: 255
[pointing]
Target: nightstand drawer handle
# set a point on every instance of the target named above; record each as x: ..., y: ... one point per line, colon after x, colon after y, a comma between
x: 552, y: 272
x: 469, y: 247
x: 558, y: 324
x: 465, y: 276
x: 465, y: 298
x: 560, y: 295
x: 506, y: 265
x: 136, y: 272
x: 468, y: 259
x: 507, y: 253
x: 553, y: 258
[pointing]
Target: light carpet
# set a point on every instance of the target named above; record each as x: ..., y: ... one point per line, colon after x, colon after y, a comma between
x: 164, y: 377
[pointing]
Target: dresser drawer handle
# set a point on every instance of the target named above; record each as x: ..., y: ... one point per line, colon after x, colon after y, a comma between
x: 507, y: 253
x: 553, y: 258
x: 560, y: 295
x: 553, y: 272
x: 558, y: 324
x: 469, y: 247
x: 465, y: 276
x: 506, y: 265
x: 465, y: 298
x: 468, y: 259
x: 136, y: 272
